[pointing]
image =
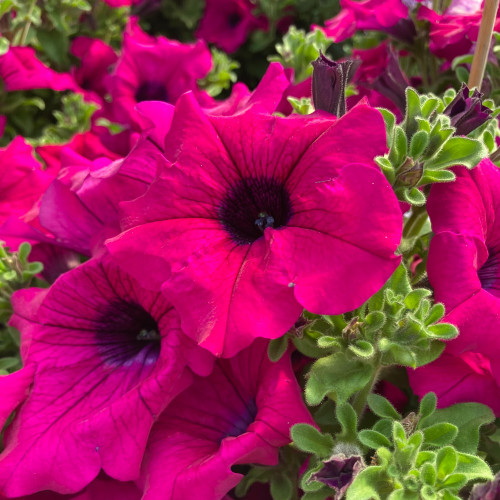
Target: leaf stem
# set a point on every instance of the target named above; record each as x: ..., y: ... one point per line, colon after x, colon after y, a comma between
x: 416, y: 221
x: 359, y: 400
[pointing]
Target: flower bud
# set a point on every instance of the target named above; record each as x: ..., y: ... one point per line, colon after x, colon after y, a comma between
x: 467, y: 113
x: 328, y: 83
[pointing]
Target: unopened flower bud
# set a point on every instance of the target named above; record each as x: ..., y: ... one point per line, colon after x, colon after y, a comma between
x: 329, y: 81
x: 466, y: 111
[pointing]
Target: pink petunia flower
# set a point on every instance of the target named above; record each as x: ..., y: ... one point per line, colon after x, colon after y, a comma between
x: 108, y: 356
x: 20, y: 69
x: 96, y: 59
x: 154, y: 69
x: 464, y: 216
x: 458, y: 379
x: 261, y: 216
x: 22, y: 180
x: 227, y: 23
x: 240, y: 414
x: 390, y: 16
x: 454, y: 32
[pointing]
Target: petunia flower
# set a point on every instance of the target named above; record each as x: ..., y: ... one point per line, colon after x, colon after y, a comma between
x: 96, y: 58
x: 227, y: 23
x: 454, y: 32
x: 154, y: 69
x: 240, y: 414
x: 20, y: 69
x: 389, y: 16
x: 464, y: 217
x: 261, y: 216
x: 108, y: 356
x: 458, y: 379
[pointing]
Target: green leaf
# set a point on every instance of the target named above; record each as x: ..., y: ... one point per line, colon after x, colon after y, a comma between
x: 309, y: 439
x: 446, y: 461
x: 468, y: 417
x: 413, y: 110
x: 432, y: 176
x: 338, y: 375
x: 443, y: 331
x: 428, y: 474
x: 374, y: 321
x: 427, y: 406
x: 412, y: 300
x: 435, y: 314
x: 429, y: 354
x: 382, y: 407
x: 348, y: 420
x: 418, y: 143
x: 367, y: 483
x: 390, y: 121
x: 362, y: 348
x: 277, y: 347
x: 55, y: 45
x: 327, y: 342
x: 321, y: 494
x: 454, y: 482
x: 398, y: 152
x: 458, y: 151
x: 373, y: 439
x: 281, y: 487
x: 413, y: 196
x: 440, y: 434
x: 4, y: 45
x: 473, y: 467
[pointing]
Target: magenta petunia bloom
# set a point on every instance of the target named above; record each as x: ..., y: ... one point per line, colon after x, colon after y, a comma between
x: 390, y: 16
x: 155, y: 69
x: 240, y: 414
x: 228, y: 23
x: 454, y: 32
x: 96, y: 59
x: 465, y: 220
x: 108, y: 357
x: 261, y: 216
x: 20, y: 69
x: 80, y: 207
x: 458, y: 379
x: 22, y: 180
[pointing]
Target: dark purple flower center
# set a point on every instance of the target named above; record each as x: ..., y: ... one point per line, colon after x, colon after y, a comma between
x: 151, y: 91
x: 241, y: 421
x: 489, y: 274
x: 128, y: 334
x: 234, y: 19
x: 251, y: 206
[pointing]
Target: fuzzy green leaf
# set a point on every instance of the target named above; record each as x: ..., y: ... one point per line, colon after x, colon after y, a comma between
x: 427, y: 405
x: 412, y: 300
x: 444, y: 331
x: 473, y: 467
x: 440, y: 434
x: 446, y: 461
x: 277, y: 347
x: 435, y: 314
x: 364, y: 486
x: 338, y: 375
x: 458, y: 151
x: 382, y: 407
x: 418, y: 143
x: 432, y: 176
x: 373, y: 439
x: 348, y: 420
x: 362, y: 348
x: 428, y: 474
x: 281, y: 487
x: 307, y: 438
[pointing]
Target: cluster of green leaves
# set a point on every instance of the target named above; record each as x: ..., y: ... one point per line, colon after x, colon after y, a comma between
x: 423, y: 148
x: 222, y: 74
x: 299, y: 49
x: 397, y: 326
x: 16, y: 272
x: 427, y: 455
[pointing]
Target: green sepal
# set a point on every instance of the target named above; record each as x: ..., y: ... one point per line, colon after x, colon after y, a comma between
x: 413, y: 196
x: 435, y: 314
x: 433, y: 176
x: 277, y: 347
x: 413, y: 110
x: 382, y: 407
x: 399, y: 148
x: 338, y: 376
x: 412, y: 300
x: 387, y: 168
x: 362, y: 348
x: 390, y: 122
x: 329, y: 342
x: 443, y: 331
x: 307, y: 438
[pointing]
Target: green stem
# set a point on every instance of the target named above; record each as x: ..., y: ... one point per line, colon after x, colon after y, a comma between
x: 27, y: 26
x: 416, y: 221
x: 359, y: 401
